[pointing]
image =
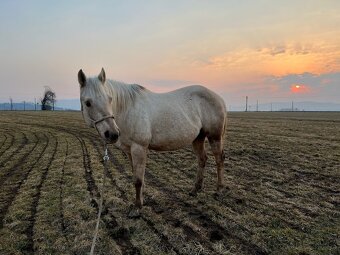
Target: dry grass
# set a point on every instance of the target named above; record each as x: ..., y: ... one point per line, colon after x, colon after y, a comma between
x: 282, y: 194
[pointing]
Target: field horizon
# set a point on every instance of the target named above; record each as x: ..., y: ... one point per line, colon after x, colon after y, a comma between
x: 298, y: 105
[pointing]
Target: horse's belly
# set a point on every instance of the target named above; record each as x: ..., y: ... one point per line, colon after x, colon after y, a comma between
x: 167, y: 142
x: 169, y: 146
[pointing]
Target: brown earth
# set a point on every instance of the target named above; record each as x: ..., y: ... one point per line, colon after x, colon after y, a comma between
x: 282, y: 190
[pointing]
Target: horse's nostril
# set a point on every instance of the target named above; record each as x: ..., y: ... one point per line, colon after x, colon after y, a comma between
x: 114, y: 136
x: 107, y: 134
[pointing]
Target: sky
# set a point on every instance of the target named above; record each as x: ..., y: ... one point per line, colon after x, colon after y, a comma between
x: 266, y: 50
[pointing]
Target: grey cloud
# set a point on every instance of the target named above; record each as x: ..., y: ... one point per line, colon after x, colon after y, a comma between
x: 326, y: 85
x: 313, y: 80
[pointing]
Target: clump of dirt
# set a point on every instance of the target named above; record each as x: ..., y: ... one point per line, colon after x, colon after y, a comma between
x: 216, y: 235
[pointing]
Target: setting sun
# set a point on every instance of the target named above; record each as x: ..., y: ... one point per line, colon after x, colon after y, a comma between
x: 299, y: 88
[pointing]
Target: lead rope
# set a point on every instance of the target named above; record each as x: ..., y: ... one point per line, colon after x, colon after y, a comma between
x: 106, y: 159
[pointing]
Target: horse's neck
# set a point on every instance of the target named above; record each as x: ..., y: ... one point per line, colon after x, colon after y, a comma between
x: 123, y: 95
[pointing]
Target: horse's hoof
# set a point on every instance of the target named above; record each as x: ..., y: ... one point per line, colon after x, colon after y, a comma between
x: 216, y: 195
x: 134, y: 213
x: 220, y: 188
x: 193, y: 193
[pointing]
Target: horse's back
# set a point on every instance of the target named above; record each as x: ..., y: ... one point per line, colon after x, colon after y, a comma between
x: 195, y: 107
x: 197, y: 94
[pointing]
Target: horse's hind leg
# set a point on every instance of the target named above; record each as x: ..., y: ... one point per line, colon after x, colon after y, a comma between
x: 217, y: 149
x: 198, y: 147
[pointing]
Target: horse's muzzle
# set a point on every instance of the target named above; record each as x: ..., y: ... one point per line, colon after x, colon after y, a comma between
x: 111, y: 137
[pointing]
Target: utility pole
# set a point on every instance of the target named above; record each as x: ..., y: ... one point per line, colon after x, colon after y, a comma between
x: 292, y: 106
x: 246, y: 103
x: 35, y: 104
x: 257, y: 105
x: 11, y: 103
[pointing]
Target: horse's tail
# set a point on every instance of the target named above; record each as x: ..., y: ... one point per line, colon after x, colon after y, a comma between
x: 225, y: 121
x: 224, y: 131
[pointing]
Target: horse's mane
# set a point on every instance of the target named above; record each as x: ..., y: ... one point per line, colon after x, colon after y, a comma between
x: 124, y: 94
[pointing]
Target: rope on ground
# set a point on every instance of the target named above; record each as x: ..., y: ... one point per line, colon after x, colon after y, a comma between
x: 106, y: 159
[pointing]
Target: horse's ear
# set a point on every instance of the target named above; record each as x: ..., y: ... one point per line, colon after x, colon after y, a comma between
x: 102, y: 76
x: 81, y: 78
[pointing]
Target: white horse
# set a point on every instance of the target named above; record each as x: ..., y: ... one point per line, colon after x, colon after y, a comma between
x: 137, y: 119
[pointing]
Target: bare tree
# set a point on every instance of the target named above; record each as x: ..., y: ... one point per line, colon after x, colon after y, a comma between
x: 49, y: 99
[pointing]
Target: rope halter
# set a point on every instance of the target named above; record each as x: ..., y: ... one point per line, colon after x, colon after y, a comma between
x: 95, y: 122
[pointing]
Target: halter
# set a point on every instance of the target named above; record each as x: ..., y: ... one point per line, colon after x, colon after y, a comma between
x: 95, y: 122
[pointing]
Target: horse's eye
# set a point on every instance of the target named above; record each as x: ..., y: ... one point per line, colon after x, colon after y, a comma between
x: 110, y: 99
x: 88, y: 104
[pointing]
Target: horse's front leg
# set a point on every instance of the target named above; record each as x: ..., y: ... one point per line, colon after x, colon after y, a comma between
x: 138, y: 155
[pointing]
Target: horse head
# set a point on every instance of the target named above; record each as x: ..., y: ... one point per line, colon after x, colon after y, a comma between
x: 97, y: 105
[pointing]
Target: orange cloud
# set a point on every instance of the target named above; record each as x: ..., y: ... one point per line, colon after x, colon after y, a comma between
x: 277, y: 60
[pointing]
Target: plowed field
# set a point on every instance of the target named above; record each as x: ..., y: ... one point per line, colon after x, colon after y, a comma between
x: 282, y: 190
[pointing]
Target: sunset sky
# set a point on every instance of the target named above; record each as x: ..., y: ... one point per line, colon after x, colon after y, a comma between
x: 268, y: 50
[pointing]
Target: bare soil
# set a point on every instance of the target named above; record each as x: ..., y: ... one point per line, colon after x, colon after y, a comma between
x: 282, y: 189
